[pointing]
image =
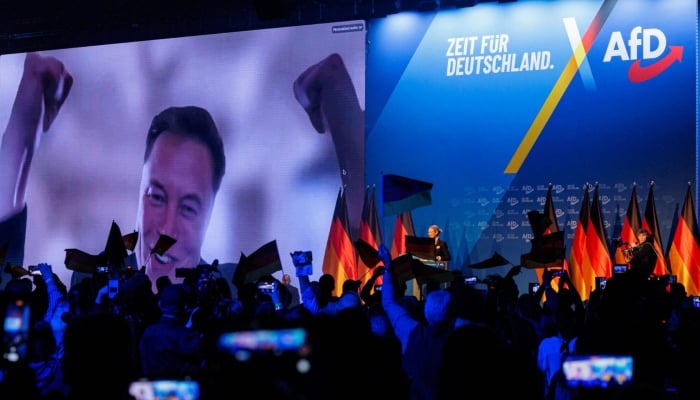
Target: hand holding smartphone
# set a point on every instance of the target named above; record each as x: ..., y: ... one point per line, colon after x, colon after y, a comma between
x: 598, y: 371
x: 533, y: 287
x: 15, y: 332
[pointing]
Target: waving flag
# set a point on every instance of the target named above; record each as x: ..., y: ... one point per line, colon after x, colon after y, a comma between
x: 340, y: 259
x: 551, y: 214
x: 115, y: 250
x: 630, y: 226
x: 651, y: 223
x: 597, y: 240
x: 400, y: 194
x: 684, y: 253
x: 580, y: 272
x: 263, y: 261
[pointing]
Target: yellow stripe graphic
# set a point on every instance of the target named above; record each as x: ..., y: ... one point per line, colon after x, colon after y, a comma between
x: 545, y: 112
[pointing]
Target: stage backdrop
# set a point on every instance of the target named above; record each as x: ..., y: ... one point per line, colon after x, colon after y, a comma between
x: 282, y: 177
x: 494, y: 102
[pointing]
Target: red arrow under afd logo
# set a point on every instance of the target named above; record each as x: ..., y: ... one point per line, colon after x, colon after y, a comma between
x: 638, y: 74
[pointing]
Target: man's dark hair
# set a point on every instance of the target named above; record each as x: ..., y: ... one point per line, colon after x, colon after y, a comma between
x: 195, y: 123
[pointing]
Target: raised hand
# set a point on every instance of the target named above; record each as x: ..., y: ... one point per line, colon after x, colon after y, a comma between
x: 44, y: 87
x: 327, y: 94
x: 46, y: 270
x: 385, y: 256
x: 378, y: 271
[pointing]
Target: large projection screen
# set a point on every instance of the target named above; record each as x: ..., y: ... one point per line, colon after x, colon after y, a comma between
x: 282, y: 177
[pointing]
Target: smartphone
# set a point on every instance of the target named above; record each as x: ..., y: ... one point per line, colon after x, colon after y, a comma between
x: 696, y: 301
x: 263, y: 340
x: 533, y: 287
x: 15, y: 332
x: 266, y: 286
x: 164, y: 389
x: 598, y: 371
x: 470, y: 280
x: 619, y: 269
x: 112, y: 288
x: 34, y: 270
x: 102, y: 269
x: 600, y: 282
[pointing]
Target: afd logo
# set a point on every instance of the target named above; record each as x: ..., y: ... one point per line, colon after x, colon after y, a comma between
x: 643, y: 44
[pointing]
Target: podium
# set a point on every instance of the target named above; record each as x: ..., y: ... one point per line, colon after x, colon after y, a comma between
x: 425, y: 272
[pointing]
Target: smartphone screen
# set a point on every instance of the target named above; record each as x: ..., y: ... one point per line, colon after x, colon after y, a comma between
x: 600, y: 282
x: 15, y: 331
x: 619, y: 268
x: 274, y: 340
x: 164, y: 389
x: 533, y: 287
x: 113, y: 288
x: 696, y: 301
x: 283, y: 350
x: 598, y: 371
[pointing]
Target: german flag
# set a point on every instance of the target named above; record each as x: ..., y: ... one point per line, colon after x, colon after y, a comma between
x: 370, y: 234
x: 580, y: 273
x: 651, y: 223
x: 684, y: 253
x: 597, y: 240
x: 263, y: 261
x: 630, y: 227
x: 402, y: 228
x: 340, y: 259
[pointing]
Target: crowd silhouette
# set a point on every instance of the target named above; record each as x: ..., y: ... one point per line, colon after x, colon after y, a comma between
x: 461, y: 341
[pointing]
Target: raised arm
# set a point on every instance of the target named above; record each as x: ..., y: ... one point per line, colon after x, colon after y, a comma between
x: 401, y: 320
x: 327, y: 94
x: 43, y: 88
x: 366, y: 292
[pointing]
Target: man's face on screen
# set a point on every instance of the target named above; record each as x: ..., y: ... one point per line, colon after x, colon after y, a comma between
x: 176, y: 199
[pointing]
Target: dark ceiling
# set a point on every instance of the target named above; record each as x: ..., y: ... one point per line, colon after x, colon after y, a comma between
x: 27, y: 25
